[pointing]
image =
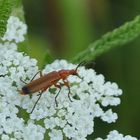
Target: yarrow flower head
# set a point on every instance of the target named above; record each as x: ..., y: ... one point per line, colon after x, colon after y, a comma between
x: 16, y: 30
x: 74, y: 120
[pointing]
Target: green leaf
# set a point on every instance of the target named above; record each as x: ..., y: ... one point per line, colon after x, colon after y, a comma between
x: 118, y: 37
x: 5, y: 11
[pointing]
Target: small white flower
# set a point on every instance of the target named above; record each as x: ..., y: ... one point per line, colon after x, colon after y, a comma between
x: 34, y: 132
x: 99, y: 139
x: 50, y: 123
x: 115, y: 135
x: 109, y: 116
x: 113, y: 101
x: 61, y: 113
x: 56, y: 135
x: 69, y: 131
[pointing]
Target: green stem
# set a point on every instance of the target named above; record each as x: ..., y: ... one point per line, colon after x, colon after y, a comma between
x: 118, y: 37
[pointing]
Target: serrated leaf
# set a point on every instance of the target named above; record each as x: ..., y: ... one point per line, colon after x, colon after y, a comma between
x: 5, y: 11
x: 118, y: 37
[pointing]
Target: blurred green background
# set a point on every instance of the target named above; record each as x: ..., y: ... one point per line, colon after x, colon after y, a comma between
x: 66, y: 27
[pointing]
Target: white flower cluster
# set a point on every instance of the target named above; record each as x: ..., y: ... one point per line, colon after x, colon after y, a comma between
x: 74, y: 120
x: 15, y: 31
x: 13, y: 65
x: 115, y: 135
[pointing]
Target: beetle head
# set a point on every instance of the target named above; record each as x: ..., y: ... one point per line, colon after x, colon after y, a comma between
x: 75, y: 71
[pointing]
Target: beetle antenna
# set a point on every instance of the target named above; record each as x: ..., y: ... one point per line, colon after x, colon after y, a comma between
x: 84, y: 63
x: 80, y: 64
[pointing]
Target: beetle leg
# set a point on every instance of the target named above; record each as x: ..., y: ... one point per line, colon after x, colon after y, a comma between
x: 36, y: 102
x: 32, y: 78
x: 66, y: 83
x: 58, y: 86
x: 40, y: 94
x: 36, y: 75
x: 22, y: 81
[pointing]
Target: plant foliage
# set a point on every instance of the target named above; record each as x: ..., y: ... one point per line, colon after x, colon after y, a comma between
x: 118, y: 37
